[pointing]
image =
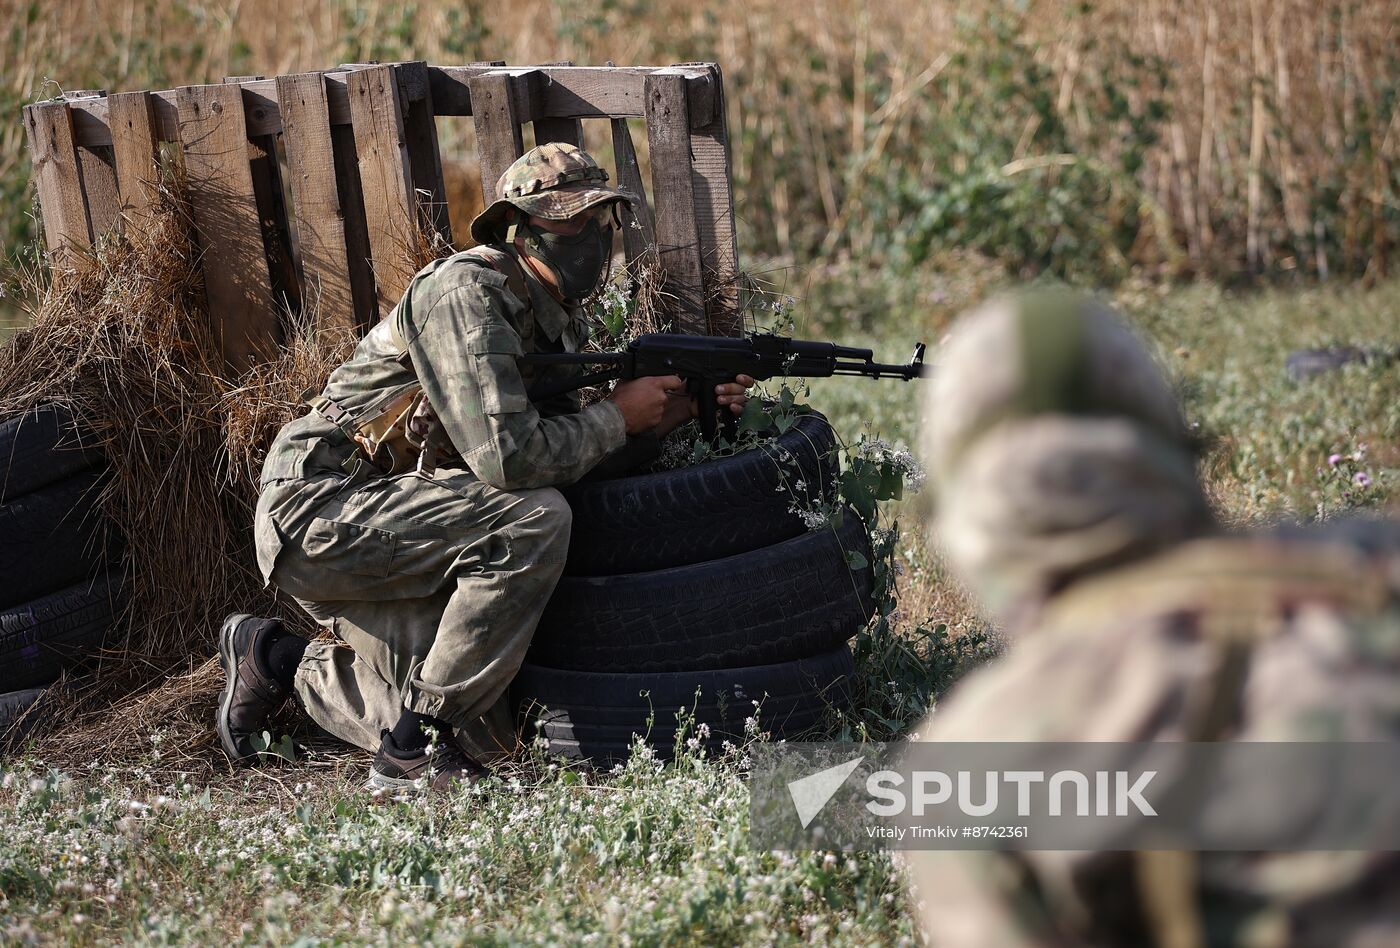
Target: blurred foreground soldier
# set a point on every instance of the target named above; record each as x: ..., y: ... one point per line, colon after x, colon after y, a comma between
x: 413, y: 511
x: 1068, y: 500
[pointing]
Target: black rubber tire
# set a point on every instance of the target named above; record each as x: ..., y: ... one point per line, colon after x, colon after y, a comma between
x: 41, y: 447
x: 52, y: 538
x: 593, y: 715
x: 12, y: 707
x: 705, y: 512
x: 41, y: 638
x: 795, y: 598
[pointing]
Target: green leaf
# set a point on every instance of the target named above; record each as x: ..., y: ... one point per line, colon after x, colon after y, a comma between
x: 858, y: 489
x: 891, y: 486
x: 283, y: 747
x: 856, y: 560
x: 755, y: 417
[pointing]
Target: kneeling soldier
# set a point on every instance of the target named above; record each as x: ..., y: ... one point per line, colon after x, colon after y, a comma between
x: 413, y: 511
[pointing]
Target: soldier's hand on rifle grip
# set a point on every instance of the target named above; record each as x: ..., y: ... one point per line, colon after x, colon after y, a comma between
x: 734, y: 394
x: 644, y: 401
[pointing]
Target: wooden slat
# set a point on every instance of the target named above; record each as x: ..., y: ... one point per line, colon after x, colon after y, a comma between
x: 550, y: 129
x: 136, y: 154
x: 425, y: 157
x: 564, y: 92
x: 385, y: 180
x: 265, y: 167
x: 497, y: 122
x: 638, y: 229
x: 352, y: 201
x: 219, y: 180
x: 714, y: 217
x: 99, y: 173
x: 100, y: 188
x: 412, y: 76
x: 571, y: 91
x: 677, y: 237
x: 90, y: 118
x: 568, y: 130
x: 306, y: 135
x: 57, y: 178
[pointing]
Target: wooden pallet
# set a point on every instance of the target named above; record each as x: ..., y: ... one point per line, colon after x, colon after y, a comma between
x: 364, y: 175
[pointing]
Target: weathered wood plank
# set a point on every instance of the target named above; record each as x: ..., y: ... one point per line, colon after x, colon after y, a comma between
x: 425, y: 157
x: 91, y: 127
x: 136, y: 154
x: 213, y: 133
x: 412, y: 75
x: 548, y: 129
x: 306, y: 136
x: 100, y: 188
x: 352, y: 202
x: 99, y: 174
x: 638, y: 228
x: 714, y: 217
x: 57, y: 178
x: 673, y: 186
x: 498, y: 137
x: 265, y: 167
x: 571, y: 91
x: 385, y: 179
x: 566, y: 92
x: 567, y: 130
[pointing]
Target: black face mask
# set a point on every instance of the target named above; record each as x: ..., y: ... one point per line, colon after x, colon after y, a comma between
x: 577, y: 261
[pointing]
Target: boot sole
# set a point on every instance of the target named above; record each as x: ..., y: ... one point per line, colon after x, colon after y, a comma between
x: 229, y: 660
x: 378, y: 781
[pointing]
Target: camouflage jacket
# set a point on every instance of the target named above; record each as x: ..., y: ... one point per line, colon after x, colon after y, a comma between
x: 1252, y: 639
x: 463, y: 329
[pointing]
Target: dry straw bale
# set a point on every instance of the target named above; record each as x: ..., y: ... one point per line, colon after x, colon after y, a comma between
x: 124, y: 342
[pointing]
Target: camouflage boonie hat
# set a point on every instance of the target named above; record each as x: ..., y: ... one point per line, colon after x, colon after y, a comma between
x: 553, y: 181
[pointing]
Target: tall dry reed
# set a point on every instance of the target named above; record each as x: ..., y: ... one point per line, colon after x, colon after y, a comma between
x: 1275, y: 149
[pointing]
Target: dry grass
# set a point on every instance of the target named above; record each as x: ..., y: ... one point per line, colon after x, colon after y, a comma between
x: 123, y: 342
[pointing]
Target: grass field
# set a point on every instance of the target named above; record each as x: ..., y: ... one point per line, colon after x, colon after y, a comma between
x: 159, y: 852
x: 942, y: 145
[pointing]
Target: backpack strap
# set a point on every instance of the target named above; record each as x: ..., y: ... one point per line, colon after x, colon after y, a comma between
x: 1238, y: 592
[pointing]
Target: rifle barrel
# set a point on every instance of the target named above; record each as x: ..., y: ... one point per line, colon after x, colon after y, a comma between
x: 877, y: 369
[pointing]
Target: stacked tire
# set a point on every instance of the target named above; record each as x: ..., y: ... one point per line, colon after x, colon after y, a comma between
x: 60, y: 590
x: 700, y: 593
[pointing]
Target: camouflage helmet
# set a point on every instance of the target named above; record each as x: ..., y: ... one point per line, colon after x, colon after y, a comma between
x: 1055, y: 446
x: 553, y: 181
x: 1042, y: 352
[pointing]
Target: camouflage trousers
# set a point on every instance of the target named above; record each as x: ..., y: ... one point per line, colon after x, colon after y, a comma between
x: 436, y: 587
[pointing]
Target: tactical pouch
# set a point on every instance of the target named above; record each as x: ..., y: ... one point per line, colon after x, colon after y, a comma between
x: 401, y: 433
x: 398, y: 435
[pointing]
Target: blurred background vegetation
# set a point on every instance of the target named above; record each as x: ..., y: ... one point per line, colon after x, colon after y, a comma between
x: 1088, y: 140
x: 893, y: 163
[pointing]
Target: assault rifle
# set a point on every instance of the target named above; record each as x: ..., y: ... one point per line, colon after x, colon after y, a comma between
x: 707, y: 361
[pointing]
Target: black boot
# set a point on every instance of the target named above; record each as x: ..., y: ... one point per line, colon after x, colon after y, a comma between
x: 253, y: 691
